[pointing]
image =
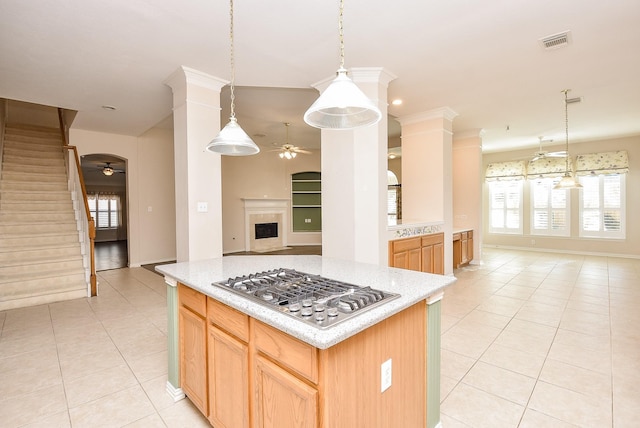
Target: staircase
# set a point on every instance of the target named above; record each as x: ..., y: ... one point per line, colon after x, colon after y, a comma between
x: 40, y: 254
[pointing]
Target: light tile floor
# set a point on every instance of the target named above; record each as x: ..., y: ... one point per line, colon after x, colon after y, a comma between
x: 529, y: 340
x: 535, y: 339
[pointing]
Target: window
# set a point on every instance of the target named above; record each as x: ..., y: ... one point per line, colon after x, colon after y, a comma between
x: 602, y: 206
x: 505, y: 206
x: 105, y: 209
x: 549, y: 208
x: 394, y: 210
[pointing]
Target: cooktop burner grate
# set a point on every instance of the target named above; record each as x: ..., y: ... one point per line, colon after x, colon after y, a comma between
x: 314, y: 299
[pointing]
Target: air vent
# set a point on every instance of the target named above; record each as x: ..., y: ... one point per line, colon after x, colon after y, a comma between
x: 556, y: 41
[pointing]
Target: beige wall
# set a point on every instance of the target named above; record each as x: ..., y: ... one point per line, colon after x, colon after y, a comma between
x: 264, y: 175
x: 629, y: 247
x: 150, y: 183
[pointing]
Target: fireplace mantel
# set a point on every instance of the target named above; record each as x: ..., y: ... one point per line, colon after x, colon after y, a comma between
x: 259, y: 210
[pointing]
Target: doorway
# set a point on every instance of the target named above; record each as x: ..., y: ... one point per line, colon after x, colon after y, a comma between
x: 105, y: 177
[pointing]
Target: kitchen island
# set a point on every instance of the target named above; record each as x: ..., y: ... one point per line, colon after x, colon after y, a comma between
x: 245, y: 364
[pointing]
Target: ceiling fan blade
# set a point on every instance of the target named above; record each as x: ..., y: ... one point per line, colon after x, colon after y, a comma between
x: 535, y: 158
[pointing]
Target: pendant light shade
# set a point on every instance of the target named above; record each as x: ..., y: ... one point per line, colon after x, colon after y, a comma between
x: 232, y: 140
x: 568, y: 181
x: 342, y: 105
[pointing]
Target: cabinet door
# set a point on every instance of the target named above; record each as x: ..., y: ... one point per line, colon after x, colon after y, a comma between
x: 427, y: 259
x: 438, y: 259
x: 470, y: 247
x: 228, y: 380
x: 193, y: 357
x: 281, y: 399
x: 464, y: 247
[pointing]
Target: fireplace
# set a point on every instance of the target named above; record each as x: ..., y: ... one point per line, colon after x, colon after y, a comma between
x: 266, y: 223
x: 266, y: 230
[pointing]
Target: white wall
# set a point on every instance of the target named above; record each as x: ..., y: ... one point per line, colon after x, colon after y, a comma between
x: 629, y: 247
x: 150, y: 183
x: 264, y: 175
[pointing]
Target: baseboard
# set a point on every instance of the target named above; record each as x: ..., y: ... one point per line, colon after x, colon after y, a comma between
x: 549, y: 250
x: 176, y: 394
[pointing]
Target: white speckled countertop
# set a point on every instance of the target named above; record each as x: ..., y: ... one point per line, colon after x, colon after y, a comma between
x: 412, y: 287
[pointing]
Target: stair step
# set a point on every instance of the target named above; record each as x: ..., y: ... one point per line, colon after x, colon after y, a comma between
x: 61, y: 283
x: 32, y: 161
x: 28, y: 143
x: 25, y: 153
x: 8, y: 206
x: 28, y: 186
x: 18, y: 257
x: 33, y: 130
x: 43, y: 240
x: 42, y: 176
x: 17, y: 217
x: 14, y: 229
x: 35, y: 169
x: 20, y: 196
x: 41, y: 269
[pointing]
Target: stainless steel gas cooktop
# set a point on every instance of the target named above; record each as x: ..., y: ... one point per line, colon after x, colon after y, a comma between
x: 317, y: 300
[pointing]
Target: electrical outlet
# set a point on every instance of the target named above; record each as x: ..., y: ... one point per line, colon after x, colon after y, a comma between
x: 203, y: 207
x: 385, y: 375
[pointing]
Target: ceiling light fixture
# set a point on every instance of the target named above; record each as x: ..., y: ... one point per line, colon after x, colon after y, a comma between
x: 107, y: 170
x: 568, y: 181
x: 342, y: 105
x: 232, y: 140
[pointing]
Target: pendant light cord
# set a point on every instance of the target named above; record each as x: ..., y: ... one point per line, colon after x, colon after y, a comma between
x: 341, y: 32
x: 566, y: 130
x: 233, y: 68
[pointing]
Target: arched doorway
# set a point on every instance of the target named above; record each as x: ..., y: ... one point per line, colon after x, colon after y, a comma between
x: 105, y: 177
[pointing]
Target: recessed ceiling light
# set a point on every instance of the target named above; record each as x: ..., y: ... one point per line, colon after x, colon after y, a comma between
x: 110, y: 108
x: 396, y: 102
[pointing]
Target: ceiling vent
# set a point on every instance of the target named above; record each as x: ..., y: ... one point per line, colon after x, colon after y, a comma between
x: 556, y: 41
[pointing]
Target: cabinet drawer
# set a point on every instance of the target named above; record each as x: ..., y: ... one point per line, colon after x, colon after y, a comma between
x: 433, y: 239
x: 470, y: 234
x: 464, y: 235
x: 192, y: 299
x: 405, y: 244
x: 228, y: 319
x: 290, y: 352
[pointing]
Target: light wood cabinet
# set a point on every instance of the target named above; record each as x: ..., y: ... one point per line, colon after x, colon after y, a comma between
x: 193, y: 346
x: 462, y: 248
x: 228, y: 366
x: 424, y: 254
x: 432, y: 248
x: 282, y: 400
x: 261, y: 377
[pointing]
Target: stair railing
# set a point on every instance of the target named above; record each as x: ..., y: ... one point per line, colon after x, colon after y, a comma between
x: 87, y: 222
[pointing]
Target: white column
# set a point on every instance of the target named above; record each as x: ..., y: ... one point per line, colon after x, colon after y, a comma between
x: 467, y: 186
x: 196, y: 121
x: 427, y: 185
x: 354, y: 180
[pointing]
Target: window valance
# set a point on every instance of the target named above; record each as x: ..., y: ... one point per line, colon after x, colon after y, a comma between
x: 548, y: 167
x: 603, y: 163
x: 512, y: 170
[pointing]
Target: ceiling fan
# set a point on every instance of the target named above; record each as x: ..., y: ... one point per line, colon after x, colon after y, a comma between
x: 541, y: 154
x: 289, y: 151
x: 108, y: 170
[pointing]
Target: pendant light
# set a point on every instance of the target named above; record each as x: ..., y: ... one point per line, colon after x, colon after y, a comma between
x: 342, y: 105
x: 568, y: 181
x: 232, y: 140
